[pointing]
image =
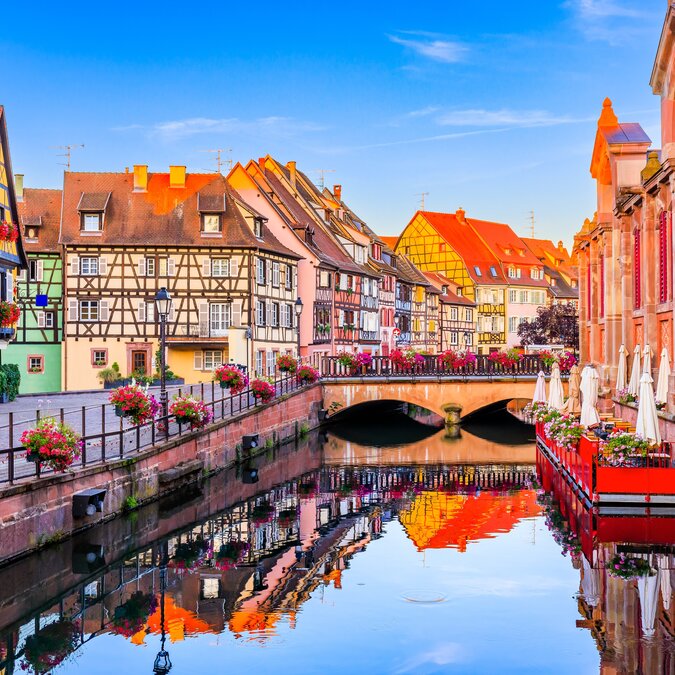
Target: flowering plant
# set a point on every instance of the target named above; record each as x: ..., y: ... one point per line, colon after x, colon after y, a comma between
x: 307, y: 375
x: 560, y: 530
x: 565, y: 430
x: 262, y: 513
x: 624, y: 566
x: 566, y: 360
x: 8, y: 231
x: 456, y: 359
x: 9, y: 313
x: 263, y: 390
x: 507, y: 359
x: 406, y: 360
x: 134, y: 402
x: 189, y: 555
x: 547, y: 358
x: 307, y: 490
x: 537, y: 410
x: 625, y: 396
x: 363, y: 359
x: 131, y: 616
x: 231, y: 554
x: 51, y: 645
x: 347, y: 360
x: 190, y: 410
x: 287, y: 517
x: 231, y: 377
x: 622, y: 448
x: 287, y: 363
x: 55, y: 445
x: 661, y: 405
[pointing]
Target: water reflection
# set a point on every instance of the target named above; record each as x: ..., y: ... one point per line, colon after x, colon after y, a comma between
x: 420, y: 558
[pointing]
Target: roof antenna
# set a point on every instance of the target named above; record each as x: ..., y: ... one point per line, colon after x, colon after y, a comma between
x: 219, y: 157
x: 68, y: 151
x: 531, y: 224
x: 421, y: 195
x: 322, y: 176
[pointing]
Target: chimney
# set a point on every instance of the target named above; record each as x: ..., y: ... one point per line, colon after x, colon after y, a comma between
x: 337, y: 191
x: 561, y: 246
x: 140, y: 177
x: 18, y: 186
x: 460, y: 215
x: 261, y: 163
x: 292, y: 169
x: 176, y: 176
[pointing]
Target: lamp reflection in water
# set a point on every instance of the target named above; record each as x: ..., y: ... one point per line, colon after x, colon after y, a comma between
x: 162, y: 661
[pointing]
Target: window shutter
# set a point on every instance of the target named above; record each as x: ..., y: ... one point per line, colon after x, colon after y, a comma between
x: 341, y: 317
x: 172, y: 313
x: 150, y: 312
x: 41, y: 319
x: 234, y: 267
x: 21, y: 275
x: 236, y: 312
x: 9, y: 285
x: 206, y: 267
x: 269, y: 272
x: 170, y: 267
x: 103, y: 266
x: 105, y: 310
x: 203, y: 318
x: 141, y: 267
x: 40, y: 270
x: 141, y: 311
x: 199, y: 363
x: 72, y: 310
x: 74, y: 266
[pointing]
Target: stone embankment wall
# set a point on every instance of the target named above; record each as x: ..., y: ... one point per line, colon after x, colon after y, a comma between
x: 39, y: 511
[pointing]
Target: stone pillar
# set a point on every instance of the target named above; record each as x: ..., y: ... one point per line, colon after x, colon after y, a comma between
x: 584, y: 346
x: 613, y: 303
x: 626, y: 272
x: 594, y: 310
x: 650, y: 274
x: 453, y: 415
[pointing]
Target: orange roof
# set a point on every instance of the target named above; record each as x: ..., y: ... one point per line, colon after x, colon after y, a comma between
x: 552, y: 255
x: 450, y: 296
x: 457, y: 231
x: 390, y: 241
x: 42, y: 209
x: 448, y: 520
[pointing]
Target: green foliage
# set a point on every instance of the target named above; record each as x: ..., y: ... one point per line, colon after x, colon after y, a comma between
x: 129, y: 504
x: 269, y: 443
x: 304, y: 430
x: 12, y: 380
x: 109, y: 375
x: 170, y: 375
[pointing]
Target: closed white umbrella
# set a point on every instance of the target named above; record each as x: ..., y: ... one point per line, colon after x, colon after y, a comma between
x: 540, y: 389
x: 664, y: 374
x: 647, y: 424
x: 622, y: 371
x: 647, y: 360
x: 573, y: 402
x: 634, y: 383
x: 590, y: 584
x: 556, y: 396
x: 663, y: 562
x: 589, y: 397
x: 648, y: 590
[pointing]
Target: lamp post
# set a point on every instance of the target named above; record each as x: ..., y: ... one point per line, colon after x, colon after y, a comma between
x: 298, y: 312
x: 163, y: 303
x: 248, y: 334
x: 162, y: 663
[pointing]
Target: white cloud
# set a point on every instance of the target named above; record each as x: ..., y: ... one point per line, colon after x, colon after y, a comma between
x: 600, y: 9
x: 422, y: 112
x: 432, y: 47
x: 442, y: 655
x: 611, y: 21
x: 504, y: 117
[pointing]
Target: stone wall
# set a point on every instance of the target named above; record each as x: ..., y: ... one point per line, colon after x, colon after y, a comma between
x: 40, y: 511
x: 666, y: 420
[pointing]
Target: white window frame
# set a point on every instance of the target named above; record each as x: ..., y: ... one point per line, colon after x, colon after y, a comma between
x: 276, y: 274
x: 220, y: 267
x: 260, y: 271
x: 454, y: 314
x: 89, y: 219
x: 90, y: 305
x: 220, y: 318
x: 212, y: 358
x: 211, y: 223
x: 89, y: 266
x: 259, y: 360
x: 260, y: 313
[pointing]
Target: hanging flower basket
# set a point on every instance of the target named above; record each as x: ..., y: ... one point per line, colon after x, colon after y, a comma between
x: 451, y: 360
x: 191, y: 411
x: 190, y: 555
x: 132, y: 616
x: 287, y: 517
x: 262, y: 513
x: 135, y: 403
x: 9, y: 314
x: 262, y: 390
x: 566, y: 360
x: 232, y: 378
x: 564, y: 430
x: 407, y: 360
x: 538, y: 410
x: 50, y: 646
x: 286, y: 363
x: 307, y: 375
x: 623, y: 566
x: 507, y: 359
x: 230, y: 555
x: 56, y: 445
x: 8, y: 232
x: 307, y: 490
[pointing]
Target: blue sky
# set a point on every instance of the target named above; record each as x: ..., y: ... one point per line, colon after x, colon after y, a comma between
x: 490, y: 106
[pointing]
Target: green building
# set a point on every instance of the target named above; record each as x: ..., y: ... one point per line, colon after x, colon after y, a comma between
x: 39, y: 293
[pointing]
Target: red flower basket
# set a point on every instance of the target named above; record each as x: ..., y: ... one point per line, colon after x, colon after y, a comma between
x: 9, y: 314
x: 8, y: 232
x: 55, y: 445
x: 134, y: 402
x: 307, y: 375
x: 231, y: 377
x: 286, y: 363
x: 190, y: 411
x: 262, y: 390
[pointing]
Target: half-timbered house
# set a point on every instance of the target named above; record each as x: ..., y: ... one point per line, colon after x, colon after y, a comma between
x: 39, y: 292
x: 125, y: 235
x: 456, y: 324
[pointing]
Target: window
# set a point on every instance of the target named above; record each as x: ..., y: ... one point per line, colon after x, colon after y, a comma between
x: 324, y: 279
x: 167, y: 267
x: 258, y: 227
x: 512, y: 272
x: 149, y: 267
x: 259, y: 359
x: 210, y: 588
x: 220, y: 267
x: 89, y: 310
x: 275, y: 314
x: 512, y: 295
x: 493, y: 271
x: 513, y: 324
x: 49, y: 319
x: 524, y: 297
x: 460, y: 292
x: 534, y: 273
x: 476, y: 269
x: 275, y: 274
x: 92, y: 222
x: 211, y: 223
x: 36, y: 363
x: 259, y: 313
x: 468, y: 316
x: 271, y: 363
x: 35, y: 270
x: 453, y: 314
x: 219, y: 318
x: 99, y: 358
x: 260, y: 270
x: 89, y: 267
x: 454, y: 338
x: 286, y: 314
x: 289, y: 277
x: 212, y: 359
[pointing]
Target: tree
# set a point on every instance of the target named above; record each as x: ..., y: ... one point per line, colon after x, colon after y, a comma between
x: 557, y: 324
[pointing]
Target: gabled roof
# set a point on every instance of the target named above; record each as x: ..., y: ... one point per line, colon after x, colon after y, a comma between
x: 449, y: 297
x: 390, y: 241
x: 161, y: 216
x: 552, y: 255
x: 457, y: 231
x: 559, y: 287
x: 41, y: 209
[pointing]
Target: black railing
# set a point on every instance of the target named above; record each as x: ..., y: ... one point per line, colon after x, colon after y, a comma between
x: 107, y: 437
x: 431, y: 365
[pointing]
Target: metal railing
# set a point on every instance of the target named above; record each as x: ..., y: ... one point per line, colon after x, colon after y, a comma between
x: 201, y: 329
x: 107, y: 437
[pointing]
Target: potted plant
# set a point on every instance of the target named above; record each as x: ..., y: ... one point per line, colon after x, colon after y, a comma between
x: 8, y: 231
x: 363, y: 361
x: 50, y: 646
x: 287, y: 517
x: 134, y: 402
x: 565, y: 430
x: 262, y: 513
x: 625, y: 396
x: 547, y: 357
x: 566, y: 360
x: 263, y: 391
x: 507, y: 359
x: 307, y: 375
x: 189, y: 555
x: 56, y: 445
x: 623, y: 448
x: 623, y: 566
x: 287, y: 363
x: 347, y: 361
x: 111, y: 377
x: 190, y: 410
x: 131, y: 616
x: 232, y: 378
x: 231, y: 554
x: 9, y: 316
x: 536, y: 410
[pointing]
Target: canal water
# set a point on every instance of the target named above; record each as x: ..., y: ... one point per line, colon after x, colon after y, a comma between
x: 378, y: 547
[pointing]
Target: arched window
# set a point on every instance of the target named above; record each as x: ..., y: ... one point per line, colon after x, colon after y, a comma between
x: 637, y: 271
x: 664, y: 248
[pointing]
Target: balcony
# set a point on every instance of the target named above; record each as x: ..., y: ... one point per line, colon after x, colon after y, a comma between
x: 370, y: 336
x: 196, y: 333
x: 403, y: 305
x: 322, y: 335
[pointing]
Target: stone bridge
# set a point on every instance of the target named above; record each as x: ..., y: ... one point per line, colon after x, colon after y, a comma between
x: 449, y: 397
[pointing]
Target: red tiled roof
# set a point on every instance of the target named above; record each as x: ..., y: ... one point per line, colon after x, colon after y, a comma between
x: 547, y: 251
x: 43, y: 206
x: 449, y: 297
x: 390, y: 241
x: 162, y: 216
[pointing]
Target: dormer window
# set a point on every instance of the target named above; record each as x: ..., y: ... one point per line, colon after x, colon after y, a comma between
x: 476, y: 269
x: 92, y: 207
x: 258, y: 227
x: 493, y: 272
x: 92, y: 222
x: 212, y: 223
x: 309, y: 235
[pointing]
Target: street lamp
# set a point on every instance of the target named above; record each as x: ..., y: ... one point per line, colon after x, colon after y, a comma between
x: 163, y: 303
x: 298, y: 312
x: 162, y: 663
